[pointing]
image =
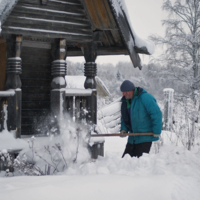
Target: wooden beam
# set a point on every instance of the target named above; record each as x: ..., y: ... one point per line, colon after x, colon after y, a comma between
x: 2, y: 64
x: 49, y: 26
x: 57, y: 19
x: 53, y: 2
x: 55, y: 8
x: 100, y: 14
x: 101, y: 51
x: 46, y: 33
x: 45, y: 11
x: 127, y: 36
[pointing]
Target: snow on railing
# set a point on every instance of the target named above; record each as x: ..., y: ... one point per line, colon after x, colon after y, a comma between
x: 109, y: 117
x: 76, y: 103
x: 3, y: 107
x: 7, y: 93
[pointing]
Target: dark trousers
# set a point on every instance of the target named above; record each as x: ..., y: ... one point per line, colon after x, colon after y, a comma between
x: 137, y: 150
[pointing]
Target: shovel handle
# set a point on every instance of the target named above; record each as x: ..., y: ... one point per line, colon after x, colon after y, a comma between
x: 118, y: 134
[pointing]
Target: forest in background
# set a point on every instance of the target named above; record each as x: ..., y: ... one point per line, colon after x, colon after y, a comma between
x: 153, y: 77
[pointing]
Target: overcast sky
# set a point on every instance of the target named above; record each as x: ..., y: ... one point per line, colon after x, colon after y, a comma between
x: 145, y: 17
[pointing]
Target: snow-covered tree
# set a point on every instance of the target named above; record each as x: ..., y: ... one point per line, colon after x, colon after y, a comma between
x: 181, y: 44
x: 181, y: 41
x: 118, y: 75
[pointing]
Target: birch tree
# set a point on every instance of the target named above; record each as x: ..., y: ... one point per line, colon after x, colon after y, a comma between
x: 181, y: 46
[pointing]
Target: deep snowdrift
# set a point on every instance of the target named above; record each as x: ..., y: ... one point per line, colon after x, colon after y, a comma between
x: 171, y: 174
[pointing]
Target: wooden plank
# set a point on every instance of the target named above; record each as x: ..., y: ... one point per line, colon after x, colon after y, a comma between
x: 26, y: 74
x: 37, y: 20
x: 34, y: 112
x: 32, y: 68
x: 32, y: 89
x: 36, y: 105
x: 77, y: 109
x: 127, y: 35
x: 73, y: 19
x: 109, y: 38
x: 53, y: 2
x: 36, y: 119
x: 36, y: 44
x: 2, y: 64
x: 35, y: 60
x: 50, y: 26
x: 36, y: 52
x: 100, y: 14
x: 74, y: 9
x: 83, y: 109
x: 36, y: 82
x: 46, y: 33
x: 100, y: 51
x: 117, y: 38
x: 35, y: 97
x: 47, y: 12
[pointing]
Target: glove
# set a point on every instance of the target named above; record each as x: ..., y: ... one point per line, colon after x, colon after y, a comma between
x: 122, y: 132
x: 156, y: 135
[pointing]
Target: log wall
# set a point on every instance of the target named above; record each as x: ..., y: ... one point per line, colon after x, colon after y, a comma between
x: 36, y: 80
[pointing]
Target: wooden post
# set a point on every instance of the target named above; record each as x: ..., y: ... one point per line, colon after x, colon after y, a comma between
x: 168, y: 108
x: 2, y: 64
x: 90, y: 54
x: 13, y: 69
x: 58, y: 84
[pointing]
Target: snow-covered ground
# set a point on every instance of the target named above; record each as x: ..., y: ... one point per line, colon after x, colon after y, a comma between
x: 171, y: 174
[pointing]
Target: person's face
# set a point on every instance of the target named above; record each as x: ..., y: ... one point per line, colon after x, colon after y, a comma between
x: 128, y: 95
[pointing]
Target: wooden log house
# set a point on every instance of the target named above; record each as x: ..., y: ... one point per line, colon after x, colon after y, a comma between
x: 37, y: 36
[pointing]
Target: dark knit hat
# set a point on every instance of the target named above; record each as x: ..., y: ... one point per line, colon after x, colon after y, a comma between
x: 127, y: 86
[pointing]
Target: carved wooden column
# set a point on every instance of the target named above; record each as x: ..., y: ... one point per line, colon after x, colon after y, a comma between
x: 13, y: 70
x: 58, y: 84
x: 90, y: 54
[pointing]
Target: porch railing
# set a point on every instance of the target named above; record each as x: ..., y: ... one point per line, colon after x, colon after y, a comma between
x: 79, y: 106
x: 4, y: 95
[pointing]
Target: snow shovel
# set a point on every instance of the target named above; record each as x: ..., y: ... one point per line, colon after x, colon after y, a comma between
x: 118, y: 134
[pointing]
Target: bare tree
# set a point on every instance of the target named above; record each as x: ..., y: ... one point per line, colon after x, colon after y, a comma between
x: 181, y: 44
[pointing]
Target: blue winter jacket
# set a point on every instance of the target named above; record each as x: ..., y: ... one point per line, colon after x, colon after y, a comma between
x: 145, y: 117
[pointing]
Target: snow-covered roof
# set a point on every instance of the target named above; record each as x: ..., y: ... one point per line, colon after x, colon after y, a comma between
x: 78, y: 82
x: 6, y: 7
x: 145, y: 44
x: 107, y: 22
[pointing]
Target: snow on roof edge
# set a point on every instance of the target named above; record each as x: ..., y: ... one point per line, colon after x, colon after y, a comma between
x: 102, y: 85
x: 120, y: 8
x: 6, y: 7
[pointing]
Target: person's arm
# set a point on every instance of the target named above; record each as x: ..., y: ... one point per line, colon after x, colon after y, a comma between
x: 123, y: 127
x: 154, y: 112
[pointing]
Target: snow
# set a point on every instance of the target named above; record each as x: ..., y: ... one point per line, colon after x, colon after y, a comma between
x: 5, y: 8
x: 78, y: 92
x: 171, y: 174
x: 100, y: 82
x: 59, y: 80
x: 78, y: 82
x: 7, y: 93
x: 8, y: 141
x: 168, y: 90
x: 119, y: 6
